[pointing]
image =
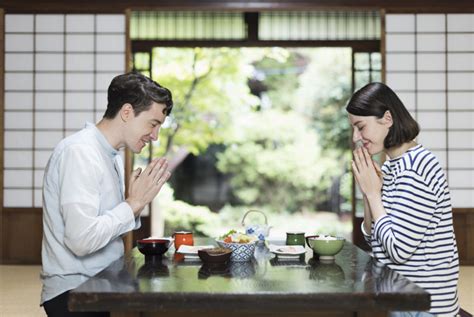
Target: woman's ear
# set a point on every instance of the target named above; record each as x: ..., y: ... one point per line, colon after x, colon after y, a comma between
x: 387, y: 118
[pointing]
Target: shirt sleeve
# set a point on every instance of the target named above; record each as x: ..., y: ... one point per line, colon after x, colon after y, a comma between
x: 367, y: 236
x: 80, y: 180
x: 412, y: 208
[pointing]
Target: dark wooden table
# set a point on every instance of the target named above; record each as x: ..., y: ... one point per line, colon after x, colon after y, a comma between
x: 353, y: 285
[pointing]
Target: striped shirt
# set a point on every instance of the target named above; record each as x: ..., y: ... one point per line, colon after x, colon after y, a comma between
x: 416, y: 237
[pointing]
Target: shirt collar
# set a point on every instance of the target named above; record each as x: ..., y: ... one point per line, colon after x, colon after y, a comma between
x: 109, y: 149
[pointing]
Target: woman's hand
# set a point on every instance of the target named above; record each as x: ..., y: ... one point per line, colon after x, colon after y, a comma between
x: 367, y: 173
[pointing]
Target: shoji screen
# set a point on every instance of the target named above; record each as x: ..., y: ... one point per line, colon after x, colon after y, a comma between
x: 57, y: 70
x: 430, y: 64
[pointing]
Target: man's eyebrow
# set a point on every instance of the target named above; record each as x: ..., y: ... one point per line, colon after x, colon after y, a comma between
x: 157, y: 121
x: 357, y: 122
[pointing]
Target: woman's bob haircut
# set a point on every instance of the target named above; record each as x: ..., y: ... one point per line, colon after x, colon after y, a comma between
x: 375, y: 99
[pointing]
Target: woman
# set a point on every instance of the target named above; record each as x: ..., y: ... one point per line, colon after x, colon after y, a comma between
x: 407, y: 205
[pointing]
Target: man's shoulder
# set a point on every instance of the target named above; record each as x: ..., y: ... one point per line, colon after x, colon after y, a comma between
x: 83, y: 139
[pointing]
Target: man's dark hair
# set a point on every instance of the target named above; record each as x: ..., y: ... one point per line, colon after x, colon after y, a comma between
x: 375, y: 99
x: 137, y: 90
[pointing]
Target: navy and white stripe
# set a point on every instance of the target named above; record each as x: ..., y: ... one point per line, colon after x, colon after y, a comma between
x: 416, y: 238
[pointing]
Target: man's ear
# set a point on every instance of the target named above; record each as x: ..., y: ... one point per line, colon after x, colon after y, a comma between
x: 126, y: 112
x: 387, y: 118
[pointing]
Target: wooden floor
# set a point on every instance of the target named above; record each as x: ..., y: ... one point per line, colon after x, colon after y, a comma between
x: 20, y: 289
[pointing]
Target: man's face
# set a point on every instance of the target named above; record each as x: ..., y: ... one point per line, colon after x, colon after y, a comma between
x: 144, y: 128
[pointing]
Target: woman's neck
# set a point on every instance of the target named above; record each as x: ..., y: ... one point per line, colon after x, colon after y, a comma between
x: 400, y: 150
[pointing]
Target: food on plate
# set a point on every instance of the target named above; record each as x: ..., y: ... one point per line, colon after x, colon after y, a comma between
x: 236, y: 237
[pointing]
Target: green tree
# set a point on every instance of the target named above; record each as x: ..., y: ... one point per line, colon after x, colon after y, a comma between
x: 275, y: 159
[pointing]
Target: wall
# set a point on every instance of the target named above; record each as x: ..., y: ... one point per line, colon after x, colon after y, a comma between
x: 57, y: 70
x: 430, y: 64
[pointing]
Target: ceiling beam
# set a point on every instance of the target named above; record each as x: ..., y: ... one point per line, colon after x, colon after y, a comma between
x: 115, y: 6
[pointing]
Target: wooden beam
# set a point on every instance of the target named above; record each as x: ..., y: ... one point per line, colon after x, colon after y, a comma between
x: 358, y: 45
x: 116, y: 6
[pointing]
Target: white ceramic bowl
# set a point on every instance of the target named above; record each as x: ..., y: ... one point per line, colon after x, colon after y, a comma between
x: 241, y: 252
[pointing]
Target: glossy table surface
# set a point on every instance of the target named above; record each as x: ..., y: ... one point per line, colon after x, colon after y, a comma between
x: 353, y: 282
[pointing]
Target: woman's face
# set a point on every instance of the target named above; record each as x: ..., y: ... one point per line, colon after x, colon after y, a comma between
x: 371, y: 131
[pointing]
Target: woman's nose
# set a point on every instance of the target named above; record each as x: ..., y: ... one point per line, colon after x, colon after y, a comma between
x: 356, y: 136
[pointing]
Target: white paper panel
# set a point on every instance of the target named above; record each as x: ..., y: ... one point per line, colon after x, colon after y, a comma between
x: 400, y: 23
x: 18, y: 159
x: 49, y: 62
x: 103, y: 81
x: 41, y: 158
x: 431, y: 81
x: 18, y: 100
x: 431, y: 100
x: 462, y: 198
x: 110, y: 23
x: 18, y: 23
x: 461, y: 120
x: 39, y: 178
x: 17, y: 197
x: 461, y: 159
x: 18, y: 42
x: 76, y: 81
x: 18, y: 81
x: 18, y: 61
x: 47, y: 139
x: 50, y: 23
x: 98, y: 116
x: 80, y: 62
x: 110, y: 62
x: 77, y: 120
x: 18, y: 140
x: 101, y: 100
x: 80, y: 23
x: 441, y: 155
x: 79, y: 101
x: 461, y: 140
x: 432, y: 120
x: 432, y: 139
x: 49, y: 100
x: 460, y: 81
x: 80, y: 43
x: 49, y: 81
x: 430, y: 43
x: 460, y: 42
x: 405, y: 61
x: 110, y: 43
x: 408, y: 99
x: 430, y: 62
x: 461, y: 61
x: 18, y: 178
x: 49, y: 43
x: 400, y: 42
x: 430, y: 23
x: 460, y: 23
x: 18, y: 120
x: 401, y: 81
x: 461, y: 100
x: 49, y: 120
x: 38, y: 199
x: 464, y: 178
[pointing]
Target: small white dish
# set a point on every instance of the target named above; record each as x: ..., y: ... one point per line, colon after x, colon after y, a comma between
x: 287, y: 251
x: 190, y: 252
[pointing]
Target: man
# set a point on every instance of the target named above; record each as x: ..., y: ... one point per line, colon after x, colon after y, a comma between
x: 85, y: 213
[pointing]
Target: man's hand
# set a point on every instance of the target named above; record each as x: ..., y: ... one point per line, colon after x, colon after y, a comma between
x: 144, y: 186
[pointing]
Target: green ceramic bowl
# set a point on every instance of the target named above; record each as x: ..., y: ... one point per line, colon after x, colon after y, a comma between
x: 326, y: 248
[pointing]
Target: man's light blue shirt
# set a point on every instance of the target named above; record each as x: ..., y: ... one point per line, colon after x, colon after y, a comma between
x: 84, y: 211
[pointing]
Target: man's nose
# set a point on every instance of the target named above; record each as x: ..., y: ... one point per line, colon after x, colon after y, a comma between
x: 154, y: 133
